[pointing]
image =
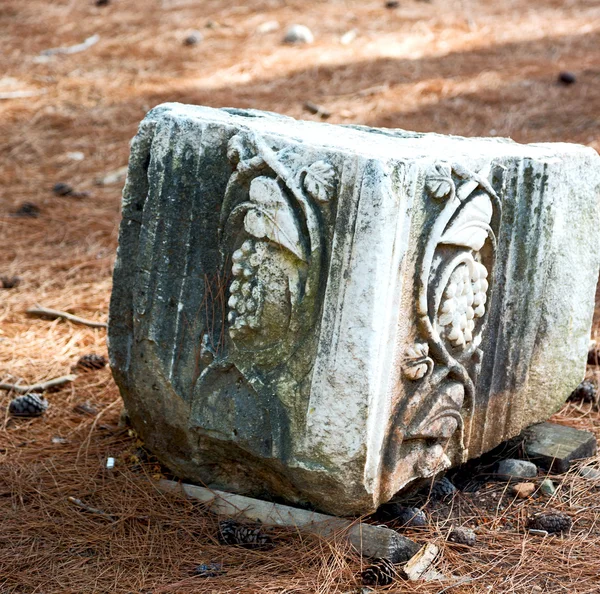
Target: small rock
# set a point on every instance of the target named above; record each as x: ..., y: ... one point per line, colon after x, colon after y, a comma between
x: 298, y: 34
x: 589, y: 473
x: 193, y: 38
x: 584, y: 392
x: 463, y: 536
x: 85, y: 408
x: 550, y: 521
x: 348, y: 37
x: 547, y: 487
x: 535, y: 532
x: 27, y: 210
x: 102, y: 2
x: 9, y: 282
x: 61, y: 440
x: 267, y: 27
x: 442, y: 489
x: 76, y: 156
x: 391, y: 4
x: 415, y: 567
x: 209, y: 570
x: 113, y: 177
x: 62, y: 189
x: 516, y: 468
x: 567, y: 78
x: 523, y: 490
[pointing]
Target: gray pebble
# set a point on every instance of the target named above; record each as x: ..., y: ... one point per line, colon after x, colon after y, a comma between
x: 463, y: 536
x: 547, y: 487
x: 193, y: 38
x: 298, y: 34
x: 517, y: 468
x: 589, y: 473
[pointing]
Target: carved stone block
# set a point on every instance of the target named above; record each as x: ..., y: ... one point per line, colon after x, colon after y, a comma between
x: 326, y: 313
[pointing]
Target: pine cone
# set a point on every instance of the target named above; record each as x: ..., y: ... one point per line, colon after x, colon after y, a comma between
x: 234, y: 533
x: 463, y: 536
x: 585, y: 391
x: 91, y: 362
x: 442, y: 489
x: 409, y: 517
x: 380, y: 573
x: 29, y: 405
x: 9, y: 282
x: 551, y: 522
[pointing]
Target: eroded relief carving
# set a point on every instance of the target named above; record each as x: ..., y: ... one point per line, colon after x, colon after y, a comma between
x: 272, y: 244
x: 453, y: 276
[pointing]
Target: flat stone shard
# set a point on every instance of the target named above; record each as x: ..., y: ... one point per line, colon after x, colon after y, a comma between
x: 554, y: 447
x: 326, y: 313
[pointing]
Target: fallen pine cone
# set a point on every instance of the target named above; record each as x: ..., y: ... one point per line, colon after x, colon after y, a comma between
x: 9, y: 282
x: 442, y: 489
x: 552, y: 522
x: 380, y: 573
x: 585, y: 392
x: 463, y: 536
x: 408, y: 517
x: 234, y: 533
x: 91, y: 362
x: 27, y: 209
x: 28, y: 405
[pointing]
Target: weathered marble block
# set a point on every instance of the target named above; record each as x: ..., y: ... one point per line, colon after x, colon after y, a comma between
x: 325, y: 314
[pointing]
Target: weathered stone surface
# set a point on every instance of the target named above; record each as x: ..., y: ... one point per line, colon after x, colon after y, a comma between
x: 326, y: 313
x: 554, y: 446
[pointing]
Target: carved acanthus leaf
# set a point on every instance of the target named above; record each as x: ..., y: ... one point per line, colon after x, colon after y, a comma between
x: 472, y: 225
x: 439, y: 181
x: 272, y: 217
x: 319, y: 181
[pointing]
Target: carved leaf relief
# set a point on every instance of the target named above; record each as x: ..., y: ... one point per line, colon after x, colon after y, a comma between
x: 471, y: 227
x: 319, y: 181
x: 439, y: 181
x: 272, y: 217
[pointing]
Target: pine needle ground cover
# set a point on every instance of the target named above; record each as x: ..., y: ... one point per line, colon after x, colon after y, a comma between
x: 461, y: 67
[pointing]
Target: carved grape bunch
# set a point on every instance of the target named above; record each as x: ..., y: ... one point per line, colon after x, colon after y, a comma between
x: 245, y: 292
x: 463, y: 302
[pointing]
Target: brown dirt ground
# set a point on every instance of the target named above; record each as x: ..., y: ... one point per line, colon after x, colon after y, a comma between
x: 470, y: 67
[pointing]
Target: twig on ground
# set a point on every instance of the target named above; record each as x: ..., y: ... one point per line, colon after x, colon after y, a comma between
x: 91, y: 510
x: 41, y: 387
x: 21, y: 94
x: 72, y: 49
x: 38, y: 310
